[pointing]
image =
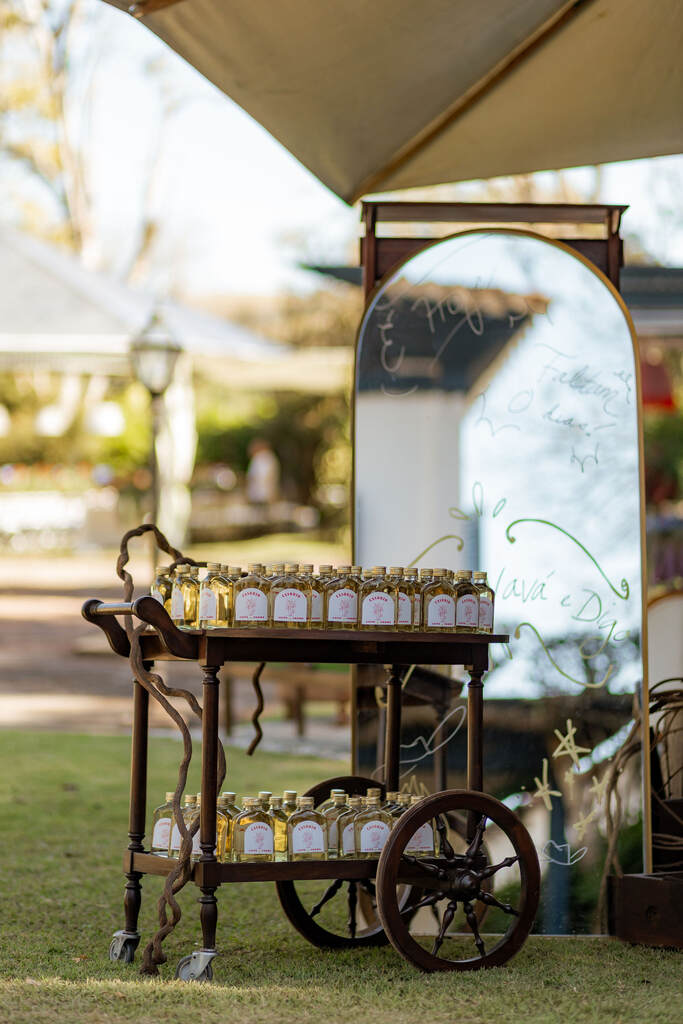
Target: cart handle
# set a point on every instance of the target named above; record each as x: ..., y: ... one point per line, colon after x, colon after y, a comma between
x: 149, y: 610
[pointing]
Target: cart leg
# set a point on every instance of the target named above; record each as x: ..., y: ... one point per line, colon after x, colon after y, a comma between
x: 207, y: 822
x: 392, y: 736
x: 475, y: 739
x: 125, y: 942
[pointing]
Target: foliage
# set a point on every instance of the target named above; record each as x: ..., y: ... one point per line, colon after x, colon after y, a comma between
x: 66, y: 864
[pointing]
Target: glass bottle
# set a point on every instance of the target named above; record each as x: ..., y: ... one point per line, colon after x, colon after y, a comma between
x: 377, y: 600
x: 290, y: 600
x: 421, y: 843
x: 438, y: 604
x: 411, y: 577
x: 307, y: 832
x: 373, y: 793
x: 391, y: 800
x: 189, y: 810
x: 221, y: 833
x: 346, y: 841
x: 279, y: 828
x: 326, y: 804
x: 189, y: 587
x: 332, y: 816
x: 425, y: 576
x: 371, y: 829
x: 264, y: 799
x: 250, y: 599
x: 402, y: 805
x: 162, y: 587
x: 486, y: 602
x: 226, y: 804
x: 161, y: 827
x: 274, y: 570
x: 467, y: 603
x: 177, y: 598
x: 214, y: 599
x: 307, y: 577
x: 253, y: 833
x: 341, y: 600
x: 289, y: 803
x: 404, y: 595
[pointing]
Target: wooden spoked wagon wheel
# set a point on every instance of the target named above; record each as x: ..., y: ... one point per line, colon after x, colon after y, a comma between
x: 462, y: 881
x: 343, y: 913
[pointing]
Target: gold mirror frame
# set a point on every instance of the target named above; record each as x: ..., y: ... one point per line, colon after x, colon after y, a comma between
x: 645, y: 725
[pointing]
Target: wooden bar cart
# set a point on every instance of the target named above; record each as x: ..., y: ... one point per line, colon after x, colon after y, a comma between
x: 382, y: 897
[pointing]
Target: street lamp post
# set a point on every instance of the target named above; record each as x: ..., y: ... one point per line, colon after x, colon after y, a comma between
x: 153, y: 355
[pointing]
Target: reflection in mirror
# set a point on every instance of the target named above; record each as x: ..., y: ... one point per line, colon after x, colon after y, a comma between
x: 496, y: 427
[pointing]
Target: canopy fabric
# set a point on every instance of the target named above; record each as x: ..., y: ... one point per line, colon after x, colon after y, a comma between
x: 392, y: 94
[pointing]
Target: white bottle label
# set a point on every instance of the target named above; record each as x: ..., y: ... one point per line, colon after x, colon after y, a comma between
x: 405, y: 611
x: 373, y: 836
x: 196, y: 848
x: 208, y: 605
x: 290, y: 606
x: 177, y: 604
x: 441, y: 611
x: 157, y: 596
x: 485, y: 612
x: 468, y: 611
x: 417, y: 621
x: 308, y: 837
x: 175, y: 839
x: 348, y: 840
x: 379, y: 609
x: 316, y: 606
x: 251, y: 604
x: 161, y: 833
x: 258, y: 838
x: 421, y: 841
x: 342, y: 606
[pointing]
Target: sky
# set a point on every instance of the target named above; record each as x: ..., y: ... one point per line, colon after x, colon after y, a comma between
x: 238, y: 210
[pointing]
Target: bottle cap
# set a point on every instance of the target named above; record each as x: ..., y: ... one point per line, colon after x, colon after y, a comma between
x: 404, y: 798
x: 356, y: 569
x: 411, y: 572
x: 355, y: 801
x: 276, y: 802
x: 378, y: 570
x: 169, y: 797
x: 479, y: 576
x: 264, y: 794
x: 344, y: 569
x: 396, y: 570
x: 249, y: 801
x: 235, y: 570
x: 161, y: 570
x: 392, y: 795
x: 230, y: 797
x: 440, y: 573
x: 190, y: 798
x: 306, y: 802
x: 425, y: 572
x: 213, y: 566
x: 291, y: 567
x: 373, y: 791
x: 415, y: 800
x: 254, y: 569
x: 325, y: 568
x: 372, y: 801
x: 289, y: 794
x: 340, y: 798
x: 194, y: 571
x: 463, y: 574
x: 182, y: 568
x: 306, y: 567
x: 199, y: 798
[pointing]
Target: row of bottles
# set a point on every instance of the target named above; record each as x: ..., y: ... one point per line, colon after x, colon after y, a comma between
x: 273, y: 828
x: 292, y: 596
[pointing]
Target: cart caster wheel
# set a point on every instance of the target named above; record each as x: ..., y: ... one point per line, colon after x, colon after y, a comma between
x: 123, y: 946
x: 196, y: 967
x: 455, y: 882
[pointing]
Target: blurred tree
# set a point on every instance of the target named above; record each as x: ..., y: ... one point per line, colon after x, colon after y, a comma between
x: 49, y: 52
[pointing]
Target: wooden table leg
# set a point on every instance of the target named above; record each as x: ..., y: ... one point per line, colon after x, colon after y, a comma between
x: 138, y: 801
x: 475, y: 739
x: 207, y: 821
x: 392, y: 740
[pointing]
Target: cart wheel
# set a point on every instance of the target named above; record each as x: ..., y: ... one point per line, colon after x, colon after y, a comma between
x: 123, y: 946
x: 189, y: 969
x: 347, y: 909
x: 462, y: 880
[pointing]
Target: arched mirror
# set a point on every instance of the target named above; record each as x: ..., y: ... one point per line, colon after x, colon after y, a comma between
x: 497, y: 428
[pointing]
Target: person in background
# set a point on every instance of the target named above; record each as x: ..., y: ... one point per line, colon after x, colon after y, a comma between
x: 263, y: 474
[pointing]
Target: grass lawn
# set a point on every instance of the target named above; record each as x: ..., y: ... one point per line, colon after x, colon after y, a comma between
x: 64, y: 798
